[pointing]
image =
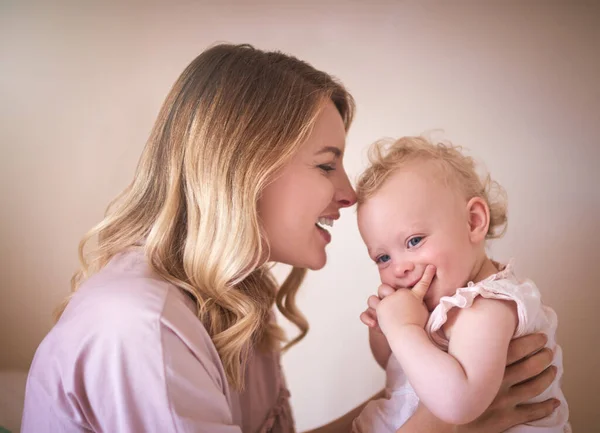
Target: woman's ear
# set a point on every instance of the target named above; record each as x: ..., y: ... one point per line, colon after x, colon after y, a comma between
x: 479, y: 219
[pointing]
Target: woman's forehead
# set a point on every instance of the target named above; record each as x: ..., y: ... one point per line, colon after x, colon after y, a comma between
x: 328, y: 132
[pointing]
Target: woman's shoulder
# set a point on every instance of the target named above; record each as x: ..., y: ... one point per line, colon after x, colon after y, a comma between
x: 125, y: 307
x: 124, y: 292
x: 128, y: 329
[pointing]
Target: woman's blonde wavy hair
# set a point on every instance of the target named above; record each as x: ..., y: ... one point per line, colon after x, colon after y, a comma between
x: 234, y: 117
x: 388, y: 156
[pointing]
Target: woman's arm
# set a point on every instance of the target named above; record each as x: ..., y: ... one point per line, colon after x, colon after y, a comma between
x: 459, y: 385
x: 344, y: 423
x: 379, y: 347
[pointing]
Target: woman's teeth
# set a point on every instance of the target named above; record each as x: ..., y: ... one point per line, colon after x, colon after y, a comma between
x: 325, y: 222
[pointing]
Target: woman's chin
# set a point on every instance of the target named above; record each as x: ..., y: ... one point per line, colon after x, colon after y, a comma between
x: 314, y: 262
x: 317, y: 262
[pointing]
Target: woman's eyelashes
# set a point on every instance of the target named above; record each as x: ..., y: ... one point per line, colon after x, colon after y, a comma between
x: 326, y: 168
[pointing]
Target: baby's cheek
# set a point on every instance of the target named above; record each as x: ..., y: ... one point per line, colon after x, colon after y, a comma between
x: 451, y: 278
x: 431, y: 254
x: 448, y: 269
x: 386, y: 277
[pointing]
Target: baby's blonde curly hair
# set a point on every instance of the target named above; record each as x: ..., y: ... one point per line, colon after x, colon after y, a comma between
x: 458, y: 170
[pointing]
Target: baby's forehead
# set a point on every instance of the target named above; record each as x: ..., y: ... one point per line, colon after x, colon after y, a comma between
x: 432, y: 173
x: 414, y: 189
x: 432, y: 169
x: 421, y: 176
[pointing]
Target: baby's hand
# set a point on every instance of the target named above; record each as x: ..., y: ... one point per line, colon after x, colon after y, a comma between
x: 369, y: 316
x: 405, y: 306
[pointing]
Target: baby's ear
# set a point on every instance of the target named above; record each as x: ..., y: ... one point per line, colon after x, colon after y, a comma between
x: 479, y: 219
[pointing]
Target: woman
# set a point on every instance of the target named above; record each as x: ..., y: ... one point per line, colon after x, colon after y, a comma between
x: 170, y: 325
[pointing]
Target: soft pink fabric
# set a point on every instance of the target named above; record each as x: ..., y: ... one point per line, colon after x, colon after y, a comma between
x: 129, y: 355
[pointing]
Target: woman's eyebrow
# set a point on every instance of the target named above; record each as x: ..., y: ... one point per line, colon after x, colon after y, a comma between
x: 335, y: 150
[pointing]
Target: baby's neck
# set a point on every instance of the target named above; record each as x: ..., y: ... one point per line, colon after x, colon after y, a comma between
x: 483, y: 269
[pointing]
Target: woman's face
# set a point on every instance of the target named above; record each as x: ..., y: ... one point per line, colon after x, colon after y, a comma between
x: 307, y: 194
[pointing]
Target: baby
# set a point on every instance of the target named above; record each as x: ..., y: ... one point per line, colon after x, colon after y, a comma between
x: 425, y: 215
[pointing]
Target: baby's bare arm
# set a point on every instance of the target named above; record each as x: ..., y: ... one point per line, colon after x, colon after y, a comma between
x: 526, y: 376
x: 459, y: 385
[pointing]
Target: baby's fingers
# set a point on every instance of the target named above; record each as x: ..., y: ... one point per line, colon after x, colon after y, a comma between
x: 368, y: 319
x: 384, y: 290
x: 420, y: 289
x: 373, y: 302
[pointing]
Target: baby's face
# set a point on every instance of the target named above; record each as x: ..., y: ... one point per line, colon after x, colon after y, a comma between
x: 415, y: 219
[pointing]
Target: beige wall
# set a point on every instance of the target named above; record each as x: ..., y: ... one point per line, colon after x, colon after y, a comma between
x: 517, y: 82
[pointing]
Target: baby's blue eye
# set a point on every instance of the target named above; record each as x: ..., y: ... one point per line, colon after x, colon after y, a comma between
x: 383, y: 258
x: 413, y: 242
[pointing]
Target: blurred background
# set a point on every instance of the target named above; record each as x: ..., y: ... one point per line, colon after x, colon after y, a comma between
x: 516, y: 82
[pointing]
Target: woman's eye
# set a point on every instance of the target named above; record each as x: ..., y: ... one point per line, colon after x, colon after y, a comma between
x: 382, y: 259
x: 413, y: 242
x: 326, y: 167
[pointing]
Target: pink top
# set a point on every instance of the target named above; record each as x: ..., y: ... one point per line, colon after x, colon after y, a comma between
x: 130, y: 355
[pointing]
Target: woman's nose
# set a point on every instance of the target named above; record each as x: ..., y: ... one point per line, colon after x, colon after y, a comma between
x: 346, y: 196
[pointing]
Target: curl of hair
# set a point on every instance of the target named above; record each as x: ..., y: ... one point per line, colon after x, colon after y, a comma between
x: 458, y: 170
x: 234, y: 117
